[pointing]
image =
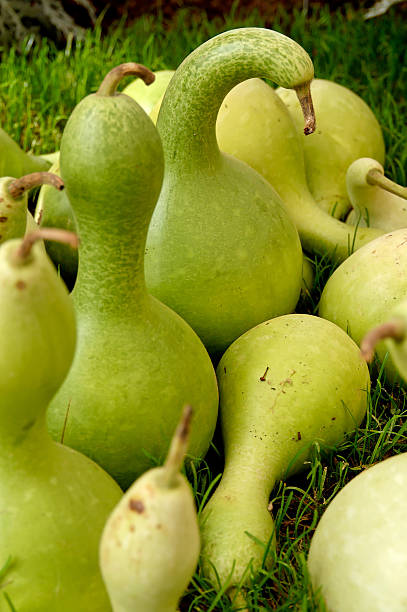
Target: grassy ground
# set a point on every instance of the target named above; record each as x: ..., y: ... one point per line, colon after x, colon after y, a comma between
x: 39, y: 88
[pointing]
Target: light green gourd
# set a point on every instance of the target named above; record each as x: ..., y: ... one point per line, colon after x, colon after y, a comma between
x: 147, y: 96
x: 221, y: 248
x: 254, y: 125
x: 53, y: 209
x: 150, y: 545
x: 347, y: 129
x: 366, y: 287
x: 15, y: 162
x: 284, y: 385
x: 358, y: 553
x: 376, y: 200
x: 136, y: 361
x: 53, y: 501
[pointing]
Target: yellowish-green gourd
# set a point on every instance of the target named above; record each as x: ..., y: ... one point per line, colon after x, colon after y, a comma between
x: 53, y: 501
x: 366, y: 287
x: 151, y: 542
x: 284, y: 385
x: 147, y: 96
x: 358, y: 553
x: 347, y: 130
x: 254, y: 125
x: 136, y: 361
x: 222, y: 250
x: 376, y: 200
x: 15, y: 162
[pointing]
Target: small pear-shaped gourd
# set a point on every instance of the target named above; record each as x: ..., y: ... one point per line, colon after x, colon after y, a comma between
x: 150, y: 545
x: 221, y: 248
x: 136, y: 361
x: 53, y: 501
x: 147, y: 96
x: 254, y: 125
x: 15, y: 162
x: 358, y: 553
x: 366, y: 287
x: 285, y: 384
x: 54, y: 210
x: 377, y: 201
x: 347, y: 130
x: 15, y: 219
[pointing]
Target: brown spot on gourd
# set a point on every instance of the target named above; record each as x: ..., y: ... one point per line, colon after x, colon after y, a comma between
x: 3, y: 219
x: 136, y: 505
x: 20, y: 284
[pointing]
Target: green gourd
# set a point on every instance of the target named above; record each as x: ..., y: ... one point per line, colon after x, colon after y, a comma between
x: 365, y: 288
x: 347, y: 130
x: 284, y: 385
x: 13, y: 160
x: 15, y: 219
x: 136, y: 361
x: 377, y: 201
x: 54, y: 210
x: 54, y: 501
x: 358, y: 553
x: 147, y: 96
x: 150, y: 545
x: 221, y: 249
x: 254, y: 125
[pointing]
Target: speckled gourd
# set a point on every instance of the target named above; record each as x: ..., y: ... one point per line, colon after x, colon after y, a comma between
x: 221, y: 248
x: 366, y: 287
x: 150, y: 545
x: 285, y: 384
x: 136, y: 361
x: 347, y: 129
x: 53, y: 501
x: 376, y: 200
x: 15, y: 162
x: 254, y: 125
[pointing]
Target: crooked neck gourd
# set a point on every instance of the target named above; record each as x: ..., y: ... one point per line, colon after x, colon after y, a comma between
x: 150, y: 545
x: 15, y: 162
x: 15, y: 219
x: 255, y: 126
x: 377, y: 201
x: 285, y: 384
x: 136, y: 361
x: 53, y: 501
x: 221, y: 249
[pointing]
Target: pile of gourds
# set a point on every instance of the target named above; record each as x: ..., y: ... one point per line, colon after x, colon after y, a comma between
x: 192, y: 236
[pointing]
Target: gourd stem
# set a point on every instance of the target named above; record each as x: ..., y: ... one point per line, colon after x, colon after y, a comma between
x: 395, y: 328
x: 45, y: 233
x: 375, y: 177
x: 304, y: 96
x: 109, y: 84
x: 17, y: 187
x: 178, y: 448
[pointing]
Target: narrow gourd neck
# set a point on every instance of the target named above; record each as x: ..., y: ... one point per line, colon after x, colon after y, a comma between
x: 23, y: 435
x: 249, y: 473
x: 188, y: 113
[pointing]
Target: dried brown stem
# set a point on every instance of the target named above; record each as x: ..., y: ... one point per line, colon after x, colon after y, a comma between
x: 109, y: 84
x: 178, y: 448
x: 304, y: 96
x: 375, y: 177
x: 395, y: 328
x: 45, y: 233
x: 17, y: 187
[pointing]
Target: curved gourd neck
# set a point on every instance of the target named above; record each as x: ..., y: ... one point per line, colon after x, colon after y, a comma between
x: 188, y: 113
x: 23, y: 434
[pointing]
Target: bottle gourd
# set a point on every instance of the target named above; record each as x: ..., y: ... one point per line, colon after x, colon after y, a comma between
x: 136, y: 361
x: 15, y: 162
x: 222, y: 250
x: 53, y: 501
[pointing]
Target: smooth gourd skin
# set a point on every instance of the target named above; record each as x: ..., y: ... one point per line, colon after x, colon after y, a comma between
x: 254, y: 125
x: 283, y: 385
x: 346, y: 130
x: 136, y: 360
x: 358, y: 554
x: 221, y: 249
x: 361, y: 293
x: 53, y: 209
x: 15, y: 162
x: 148, y: 95
x: 53, y: 501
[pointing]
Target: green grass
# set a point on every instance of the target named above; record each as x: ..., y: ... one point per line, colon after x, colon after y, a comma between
x: 39, y: 87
